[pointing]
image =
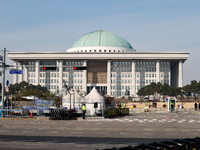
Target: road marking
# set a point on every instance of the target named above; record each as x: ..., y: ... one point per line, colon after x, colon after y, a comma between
x: 28, y: 131
x: 76, y: 132
x: 170, y: 133
x: 185, y: 130
x: 4, y: 131
x: 167, y: 118
x: 124, y: 133
x: 51, y: 132
x: 101, y: 132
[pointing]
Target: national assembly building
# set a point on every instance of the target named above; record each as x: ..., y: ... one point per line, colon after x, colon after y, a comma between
x: 109, y: 63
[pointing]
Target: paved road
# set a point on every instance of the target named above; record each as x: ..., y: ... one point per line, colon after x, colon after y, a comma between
x: 98, y: 133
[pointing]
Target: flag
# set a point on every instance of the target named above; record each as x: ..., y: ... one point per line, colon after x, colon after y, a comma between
x: 58, y: 64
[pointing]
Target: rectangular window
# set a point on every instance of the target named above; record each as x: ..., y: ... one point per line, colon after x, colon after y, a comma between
x: 147, y: 75
x: 150, y: 69
x: 152, y: 75
x: 147, y: 81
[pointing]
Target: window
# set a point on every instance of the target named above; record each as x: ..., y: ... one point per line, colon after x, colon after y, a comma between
x: 167, y: 63
x: 153, y: 63
x: 94, y: 50
x: 152, y: 75
x: 167, y: 69
x: 149, y: 75
x: 152, y: 69
x: 137, y: 74
x: 161, y: 75
x: 138, y: 63
x: 149, y: 81
x: 146, y: 68
x: 109, y: 50
x: 137, y: 81
x: 146, y: 81
x: 146, y: 75
x: 161, y: 63
x: 104, y: 50
x: 149, y: 63
x: 161, y: 69
x: 99, y: 50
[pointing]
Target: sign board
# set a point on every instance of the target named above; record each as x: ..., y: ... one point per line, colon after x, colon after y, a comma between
x: 7, y: 82
x: 7, y: 89
x: 167, y: 98
x: 16, y: 71
x: 1, y: 58
x: 43, y: 104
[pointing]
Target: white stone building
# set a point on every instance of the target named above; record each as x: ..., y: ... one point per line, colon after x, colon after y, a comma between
x: 112, y: 65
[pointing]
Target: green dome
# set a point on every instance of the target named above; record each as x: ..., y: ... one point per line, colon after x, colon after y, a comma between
x: 102, y: 38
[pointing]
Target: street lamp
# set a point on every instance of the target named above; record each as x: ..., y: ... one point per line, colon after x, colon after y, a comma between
x: 182, y: 97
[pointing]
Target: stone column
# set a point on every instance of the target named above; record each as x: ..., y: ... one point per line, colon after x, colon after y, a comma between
x: 37, y: 72
x: 15, y: 76
x: 26, y: 74
x: 60, y: 75
x: 180, y: 74
x: 20, y: 75
x: 85, y: 77
x: 109, y: 77
x: 157, y: 71
x: 133, y: 91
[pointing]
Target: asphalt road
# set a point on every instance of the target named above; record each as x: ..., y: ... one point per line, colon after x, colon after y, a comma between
x: 98, y: 133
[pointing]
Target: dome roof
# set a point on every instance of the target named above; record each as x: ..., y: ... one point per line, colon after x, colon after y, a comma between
x: 102, y: 38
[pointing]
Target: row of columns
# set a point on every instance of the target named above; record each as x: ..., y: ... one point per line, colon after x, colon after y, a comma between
x: 132, y: 91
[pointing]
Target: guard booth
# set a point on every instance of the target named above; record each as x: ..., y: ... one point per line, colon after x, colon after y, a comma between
x: 171, y: 100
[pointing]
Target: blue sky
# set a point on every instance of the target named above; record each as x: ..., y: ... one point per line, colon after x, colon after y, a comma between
x: 149, y: 25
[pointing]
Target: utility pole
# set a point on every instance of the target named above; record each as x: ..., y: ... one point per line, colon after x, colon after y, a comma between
x: 3, y: 77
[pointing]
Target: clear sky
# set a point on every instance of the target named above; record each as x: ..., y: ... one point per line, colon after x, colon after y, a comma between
x: 148, y: 25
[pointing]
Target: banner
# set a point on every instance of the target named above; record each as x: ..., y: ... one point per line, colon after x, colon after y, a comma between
x: 43, y: 104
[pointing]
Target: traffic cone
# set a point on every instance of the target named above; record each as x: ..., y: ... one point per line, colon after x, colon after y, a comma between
x: 31, y: 114
x: 116, y: 114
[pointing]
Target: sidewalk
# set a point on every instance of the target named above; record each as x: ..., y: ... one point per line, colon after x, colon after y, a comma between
x: 161, y: 110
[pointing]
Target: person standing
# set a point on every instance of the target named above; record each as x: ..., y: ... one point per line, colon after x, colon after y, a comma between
x: 195, y: 105
x: 199, y: 105
x: 84, y: 110
x: 172, y: 106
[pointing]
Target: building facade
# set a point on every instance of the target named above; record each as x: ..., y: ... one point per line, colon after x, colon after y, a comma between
x: 113, y: 66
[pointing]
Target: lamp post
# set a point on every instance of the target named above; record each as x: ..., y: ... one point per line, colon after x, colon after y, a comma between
x: 182, y: 97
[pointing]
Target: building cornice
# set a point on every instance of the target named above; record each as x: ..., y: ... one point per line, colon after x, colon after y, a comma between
x: 98, y: 55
